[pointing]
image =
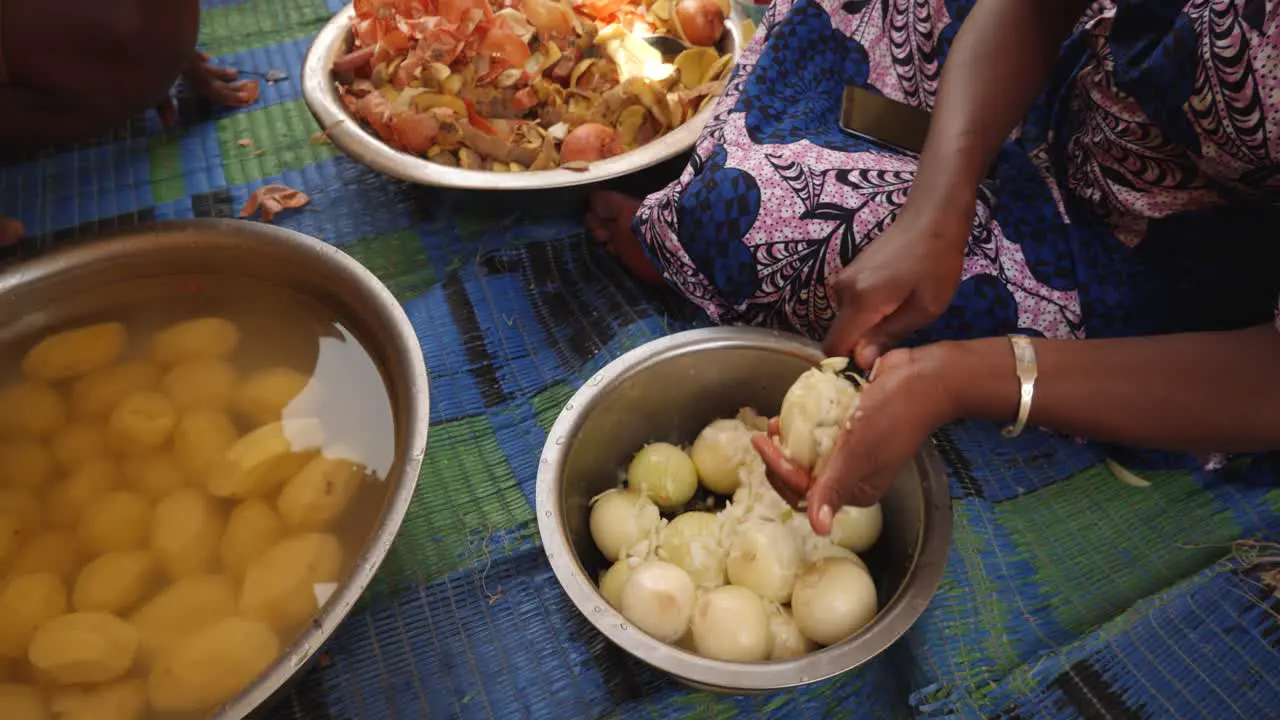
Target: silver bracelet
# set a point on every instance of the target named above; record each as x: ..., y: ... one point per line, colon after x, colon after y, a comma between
x: 1024, y: 356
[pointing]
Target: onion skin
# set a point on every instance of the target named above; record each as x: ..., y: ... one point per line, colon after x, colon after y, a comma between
x: 587, y: 143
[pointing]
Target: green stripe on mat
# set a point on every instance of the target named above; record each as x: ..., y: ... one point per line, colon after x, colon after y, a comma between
x: 267, y: 140
x: 1100, y: 545
x: 259, y: 23
x: 548, y: 404
x: 165, y: 156
x: 466, y: 493
x: 398, y: 260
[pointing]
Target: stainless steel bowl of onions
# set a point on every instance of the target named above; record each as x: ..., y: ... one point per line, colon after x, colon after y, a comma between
x: 658, y: 520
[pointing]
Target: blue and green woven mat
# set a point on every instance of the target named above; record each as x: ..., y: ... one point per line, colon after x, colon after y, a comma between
x: 1068, y: 593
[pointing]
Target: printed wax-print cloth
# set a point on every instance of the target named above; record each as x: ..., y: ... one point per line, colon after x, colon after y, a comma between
x: 1067, y: 592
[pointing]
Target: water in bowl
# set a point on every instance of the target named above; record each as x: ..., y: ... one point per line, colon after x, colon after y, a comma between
x: 153, y: 561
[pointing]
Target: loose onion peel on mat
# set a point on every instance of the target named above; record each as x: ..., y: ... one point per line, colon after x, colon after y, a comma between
x: 1125, y: 476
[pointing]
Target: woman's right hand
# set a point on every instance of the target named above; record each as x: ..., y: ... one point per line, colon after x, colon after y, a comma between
x: 902, y: 281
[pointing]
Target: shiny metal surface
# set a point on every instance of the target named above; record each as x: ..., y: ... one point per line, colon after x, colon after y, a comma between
x: 32, y: 291
x: 345, y: 132
x: 668, y: 390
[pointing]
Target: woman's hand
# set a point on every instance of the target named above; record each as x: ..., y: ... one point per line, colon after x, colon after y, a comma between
x: 906, y: 400
x: 899, y: 283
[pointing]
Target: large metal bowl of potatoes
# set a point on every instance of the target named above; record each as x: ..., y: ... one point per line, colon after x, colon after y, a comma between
x: 209, y: 433
x: 661, y: 525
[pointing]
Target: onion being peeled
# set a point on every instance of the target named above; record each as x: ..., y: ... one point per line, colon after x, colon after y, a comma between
x: 729, y: 623
x: 658, y: 598
x: 814, y: 410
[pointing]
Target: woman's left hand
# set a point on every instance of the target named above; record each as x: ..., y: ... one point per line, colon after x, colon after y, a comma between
x: 906, y: 400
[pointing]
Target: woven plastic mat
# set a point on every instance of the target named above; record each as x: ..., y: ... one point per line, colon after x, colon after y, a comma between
x: 1068, y: 593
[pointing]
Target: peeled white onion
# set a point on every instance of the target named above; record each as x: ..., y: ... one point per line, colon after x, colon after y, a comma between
x: 833, y: 599
x: 658, y: 598
x: 719, y: 454
x: 614, y: 579
x: 620, y: 519
x: 765, y: 557
x: 692, y: 541
x: 857, y: 528
x: 819, y: 551
x: 785, y: 639
x: 730, y: 623
x: 665, y: 474
x: 814, y: 409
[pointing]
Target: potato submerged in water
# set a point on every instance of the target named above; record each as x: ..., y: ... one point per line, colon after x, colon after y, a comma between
x: 209, y: 667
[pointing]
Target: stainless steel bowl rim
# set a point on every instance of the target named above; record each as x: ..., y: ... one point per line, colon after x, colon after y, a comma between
x: 894, y: 619
x: 102, y: 249
x: 347, y: 134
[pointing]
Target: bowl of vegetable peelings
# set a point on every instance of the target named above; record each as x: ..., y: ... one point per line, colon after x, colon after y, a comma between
x: 661, y: 526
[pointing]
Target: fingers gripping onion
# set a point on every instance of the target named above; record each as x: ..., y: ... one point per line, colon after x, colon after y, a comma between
x: 730, y: 623
x: 857, y: 528
x: 658, y: 598
x: 785, y: 639
x: 620, y: 519
x: 766, y: 558
x: 665, y: 474
x: 692, y: 541
x: 833, y: 599
x: 722, y: 449
x: 815, y: 408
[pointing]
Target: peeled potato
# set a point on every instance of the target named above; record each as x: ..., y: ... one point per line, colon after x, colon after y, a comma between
x: 201, y: 439
x: 116, y: 522
x: 95, y: 396
x: 25, y: 463
x: 264, y: 395
x: 199, y: 339
x: 252, y: 529
x: 73, y: 353
x: 141, y: 422
x: 33, y: 409
x: 49, y: 552
x: 68, y: 499
x: 209, y: 667
x: 278, y: 587
x: 260, y: 462
x: 77, y: 443
x: 204, y: 383
x: 320, y: 492
x: 155, y: 475
x: 28, y: 601
x: 115, y: 582
x: 181, y: 609
x: 10, y: 534
x: 84, y: 648
x: 22, y: 702
x: 119, y: 700
x: 186, y: 528
x: 25, y: 506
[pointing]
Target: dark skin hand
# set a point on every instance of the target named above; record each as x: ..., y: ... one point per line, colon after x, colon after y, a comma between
x: 1134, y: 391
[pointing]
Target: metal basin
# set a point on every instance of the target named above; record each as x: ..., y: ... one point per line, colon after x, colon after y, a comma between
x: 668, y: 390
x: 345, y: 132
x: 36, y: 294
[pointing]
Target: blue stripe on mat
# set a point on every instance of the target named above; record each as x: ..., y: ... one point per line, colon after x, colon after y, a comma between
x: 70, y: 189
x: 202, y: 170
x: 1005, y: 468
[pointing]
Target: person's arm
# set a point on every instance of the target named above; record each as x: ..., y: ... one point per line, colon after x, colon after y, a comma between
x: 1000, y: 61
x: 1191, y: 392
x: 77, y: 66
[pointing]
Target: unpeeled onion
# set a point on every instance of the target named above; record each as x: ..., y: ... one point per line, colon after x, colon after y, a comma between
x: 857, y: 528
x: 719, y: 454
x: 658, y: 598
x: 765, y: 557
x: 620, y: 519
x: 730, y: 623
x: 665, y: 474
x: 832, y: 599
x: 692, y: 541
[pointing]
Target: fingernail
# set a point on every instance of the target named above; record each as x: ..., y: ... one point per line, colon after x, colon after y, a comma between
x: 875, y: 365
x: 825, y: 514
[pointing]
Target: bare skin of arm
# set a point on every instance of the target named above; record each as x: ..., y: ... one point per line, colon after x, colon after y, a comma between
x: 79, y: 66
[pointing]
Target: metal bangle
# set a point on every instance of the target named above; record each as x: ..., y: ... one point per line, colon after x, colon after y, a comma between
x: 1024, y: 355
